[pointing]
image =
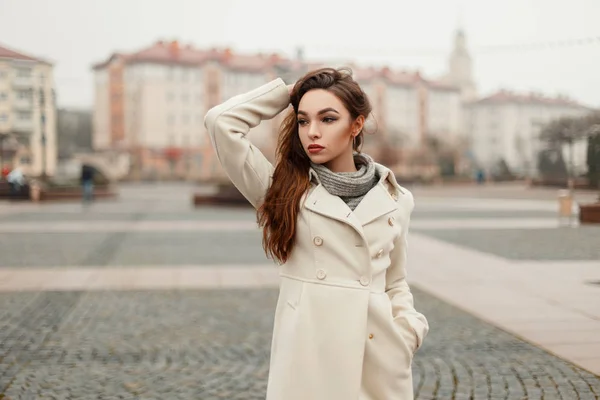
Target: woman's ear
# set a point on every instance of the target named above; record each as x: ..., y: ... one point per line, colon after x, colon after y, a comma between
x: 357, y: 125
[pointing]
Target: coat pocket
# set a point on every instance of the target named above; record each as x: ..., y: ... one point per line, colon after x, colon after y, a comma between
x: 407, y: 334
x: 291, y: 291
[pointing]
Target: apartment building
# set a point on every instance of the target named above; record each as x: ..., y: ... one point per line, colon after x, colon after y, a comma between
x: 27, y: 113
x: 505, y: 127
x: 408, y: 111
x: 152, y: 103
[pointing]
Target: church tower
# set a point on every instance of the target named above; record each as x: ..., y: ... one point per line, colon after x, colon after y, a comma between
x: 460, y: 67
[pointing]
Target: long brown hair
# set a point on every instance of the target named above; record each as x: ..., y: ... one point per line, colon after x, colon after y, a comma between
x: 278, y: 213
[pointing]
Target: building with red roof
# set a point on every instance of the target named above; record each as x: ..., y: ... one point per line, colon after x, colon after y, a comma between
x: 27, y: 113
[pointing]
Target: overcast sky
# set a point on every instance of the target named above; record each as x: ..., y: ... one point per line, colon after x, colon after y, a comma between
x: 413, y: 34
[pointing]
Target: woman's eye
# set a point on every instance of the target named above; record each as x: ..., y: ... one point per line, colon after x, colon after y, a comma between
x: 302, y: 122
x: 329, y: 120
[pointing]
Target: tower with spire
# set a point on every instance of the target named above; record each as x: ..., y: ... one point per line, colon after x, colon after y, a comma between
x: 460, y: 67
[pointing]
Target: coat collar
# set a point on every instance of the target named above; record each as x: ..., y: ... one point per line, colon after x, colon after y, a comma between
x: 384, y: 172
x: 377, y: 202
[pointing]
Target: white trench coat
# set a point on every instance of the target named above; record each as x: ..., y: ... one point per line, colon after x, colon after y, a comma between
x: 345, y: 326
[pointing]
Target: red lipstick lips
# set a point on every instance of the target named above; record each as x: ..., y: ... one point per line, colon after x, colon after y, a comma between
x: 315, y: 148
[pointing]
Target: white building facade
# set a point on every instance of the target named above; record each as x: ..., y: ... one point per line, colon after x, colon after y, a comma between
x: 506, y: 127
x: 152, y: 104
x: 27, y: 113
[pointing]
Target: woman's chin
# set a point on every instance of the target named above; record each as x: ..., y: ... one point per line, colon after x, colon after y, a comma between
x: 318, y: 158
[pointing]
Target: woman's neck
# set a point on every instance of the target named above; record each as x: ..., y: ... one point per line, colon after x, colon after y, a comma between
x: 343, y: 163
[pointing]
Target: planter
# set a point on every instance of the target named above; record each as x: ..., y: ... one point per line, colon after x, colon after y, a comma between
x: 227, y: 195
x: 5, y: 192
x: 578, y: 183
x: 589, y: 213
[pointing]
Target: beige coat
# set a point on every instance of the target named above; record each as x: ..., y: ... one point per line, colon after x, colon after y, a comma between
x: 345, y: 325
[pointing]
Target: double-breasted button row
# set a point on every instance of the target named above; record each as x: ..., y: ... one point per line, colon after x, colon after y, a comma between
x: 364, y: 281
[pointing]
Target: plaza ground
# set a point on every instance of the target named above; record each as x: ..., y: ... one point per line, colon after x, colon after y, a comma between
x: 146, y: 297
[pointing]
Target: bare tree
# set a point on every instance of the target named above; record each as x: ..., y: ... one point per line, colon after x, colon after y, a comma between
x: 568, y: 130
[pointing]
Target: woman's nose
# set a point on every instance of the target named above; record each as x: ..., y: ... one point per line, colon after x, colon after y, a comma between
x: 313, y: 132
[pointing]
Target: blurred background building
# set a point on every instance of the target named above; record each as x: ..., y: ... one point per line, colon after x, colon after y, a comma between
x: 150, y: 104
x: 27, y: 113
x: 504, y: 130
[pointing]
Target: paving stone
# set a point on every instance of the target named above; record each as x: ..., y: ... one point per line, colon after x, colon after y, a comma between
x: 215, y: 344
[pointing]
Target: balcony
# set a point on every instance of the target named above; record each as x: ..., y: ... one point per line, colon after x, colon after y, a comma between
x: 20, y: 125
x: 23, y: 82
x: 23, y: 104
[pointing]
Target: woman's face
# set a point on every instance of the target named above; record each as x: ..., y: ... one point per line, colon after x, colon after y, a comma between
x: 325, y: 127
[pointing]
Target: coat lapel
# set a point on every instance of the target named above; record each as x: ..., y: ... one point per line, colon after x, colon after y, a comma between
x: 377, y: 202
x: 324, y: 203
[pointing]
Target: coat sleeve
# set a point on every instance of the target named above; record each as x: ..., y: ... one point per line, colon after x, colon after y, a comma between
x: 397, y: 288
x: 228, y: 124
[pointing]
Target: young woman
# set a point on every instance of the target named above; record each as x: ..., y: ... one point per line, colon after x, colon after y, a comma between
x: 337, y: 222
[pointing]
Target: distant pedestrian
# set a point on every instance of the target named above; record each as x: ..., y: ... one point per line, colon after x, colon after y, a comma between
x: 16, y: 180
x: 337, y: 223
x: 87, y: 183
x: 480, y: 176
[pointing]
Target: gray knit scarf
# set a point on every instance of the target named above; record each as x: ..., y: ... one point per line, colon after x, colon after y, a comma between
x: 351, y: 187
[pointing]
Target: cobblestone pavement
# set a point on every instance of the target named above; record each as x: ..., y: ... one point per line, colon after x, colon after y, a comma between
x: 215, y: 345
x: 130, y: 249
x: 552, y: 244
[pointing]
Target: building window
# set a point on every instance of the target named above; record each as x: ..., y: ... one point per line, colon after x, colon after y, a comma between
x: 186, y: 119
x: 185, y: 98
x: 171, y: 119
x: 24, y: 116
x: 23, y: 95
x: 3, y: 117
x: 3, y: 96
x: 42, y: 79
x: 24, y: 72
x: 170, y: 96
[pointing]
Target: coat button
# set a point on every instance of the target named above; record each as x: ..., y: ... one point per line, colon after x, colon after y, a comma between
x: 391, y: 221
x: 370, y: 336
x: 364, y: 281
x: 318, y: 241
x: 379, y: 253
x: 321, y: 274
